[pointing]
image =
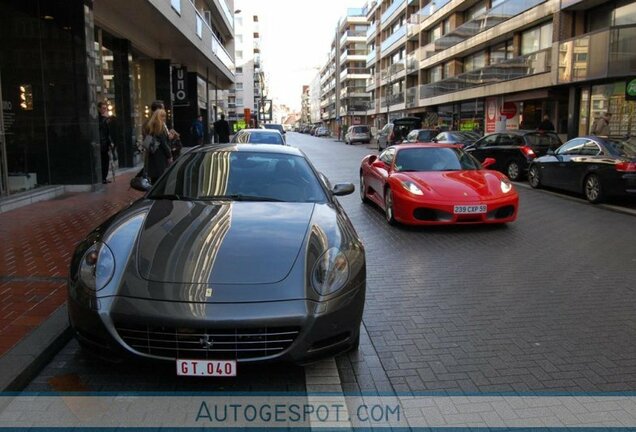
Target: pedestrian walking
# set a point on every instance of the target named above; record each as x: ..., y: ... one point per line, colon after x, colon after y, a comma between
x: 222, y: 130
x: 546, y: 124
x: 601, y: 125
x: 159, y: 153
x: 197, y: 131
x: 105, y: 140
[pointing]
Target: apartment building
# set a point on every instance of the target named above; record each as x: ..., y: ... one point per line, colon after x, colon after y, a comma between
x: 58, y: 59
x: 305, y: 106
x: 248, y: 91
x: 502, y: 64
x: 315, y: 101
x: 344, y: 99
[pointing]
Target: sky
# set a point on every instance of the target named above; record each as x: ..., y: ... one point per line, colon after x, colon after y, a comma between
x: 296, y: 38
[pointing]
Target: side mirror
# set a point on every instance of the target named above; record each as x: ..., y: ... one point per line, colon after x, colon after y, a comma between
x: 488, y: 162
x: 378, y: 164
x: 342, y: 189
x: 142, y: 184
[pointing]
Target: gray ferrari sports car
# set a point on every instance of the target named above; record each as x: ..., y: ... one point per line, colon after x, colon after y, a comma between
x: 236, y: 254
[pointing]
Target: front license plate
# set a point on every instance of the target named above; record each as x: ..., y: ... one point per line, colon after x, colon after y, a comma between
x: 211, y: 368
x: 470, y: 209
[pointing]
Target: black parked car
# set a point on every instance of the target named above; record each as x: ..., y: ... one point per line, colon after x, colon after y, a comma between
x: 397, y: 131
x: 597, y: 167
x: 514, y: 150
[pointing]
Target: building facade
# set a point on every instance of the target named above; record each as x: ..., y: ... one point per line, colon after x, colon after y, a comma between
x: 247, y: 94
x: 344, y: 99
x: 58, y: 59
x: 305, y: 106
x: 502, y: 64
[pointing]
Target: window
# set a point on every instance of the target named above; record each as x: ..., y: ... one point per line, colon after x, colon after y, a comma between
x: 501, y: 52
x: 448, y: 69
x: 435, y: 74
x: 572, y: 147
x: 238, y: 21
x: 239, y: 86
x: 239, y: 101
x: 255, y: 18
x: 238, y: 38
x: 475, y: 11
x: 447, y: 26
x: 239, y: 55
x: 387, y: 156
x: 239, y: 70
x: 590, y: 148
x: 435, y: 34
x: 536, y: 39
x: 475, y: 61
x: 625, y: 15
x: 176, y: 5
x: 489, y: 141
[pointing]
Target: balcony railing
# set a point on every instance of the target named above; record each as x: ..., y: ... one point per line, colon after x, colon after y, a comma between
x: 397, y: 4
x: 411, y: 97
x: 396, y: 99
x: 395, y: 37
x: 371, y: 58
x: 518, y: 67
x: 371, y: 30
x: 413, y: 61
x: 431, y: 8
x: 227, y: 13
x: 590, y: 56
x: 491, y: 18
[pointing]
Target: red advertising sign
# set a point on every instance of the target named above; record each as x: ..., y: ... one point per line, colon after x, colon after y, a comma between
x: 491, y: 115
x: 509, y: 110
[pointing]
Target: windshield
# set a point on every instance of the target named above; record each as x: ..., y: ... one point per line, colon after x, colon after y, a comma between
x: 259, y: 137
x: 548, y: 140
x: 240, y: 176
x: 275, y: 127
x: 434, y: 159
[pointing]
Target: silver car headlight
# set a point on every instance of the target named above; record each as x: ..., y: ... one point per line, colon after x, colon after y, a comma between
x: 506, y: 186
x: 330, y: 272
x: 97, y: 266
x: 412, y: 187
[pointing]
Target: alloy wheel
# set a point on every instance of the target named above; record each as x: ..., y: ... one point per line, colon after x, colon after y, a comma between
x: 533, y: 177
x: 388, y: 207
x: 363, y: 190
x: 593, y: 191
x: 513, y: 170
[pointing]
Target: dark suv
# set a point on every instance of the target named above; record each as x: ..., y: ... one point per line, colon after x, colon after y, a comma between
x: 397, y: 131
x: 513, y: 150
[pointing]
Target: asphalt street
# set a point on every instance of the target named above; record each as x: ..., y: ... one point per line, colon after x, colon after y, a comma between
x: 544, y: 304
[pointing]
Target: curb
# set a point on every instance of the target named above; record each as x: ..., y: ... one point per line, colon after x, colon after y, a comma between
x: 25, y: 360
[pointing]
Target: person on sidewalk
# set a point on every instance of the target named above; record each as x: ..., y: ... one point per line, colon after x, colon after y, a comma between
x: 601, y: 125
x: 196, y: 131
x: 222, y: 130
x: 546, y: 124
x: 105, y: 139
x: 159, y: 154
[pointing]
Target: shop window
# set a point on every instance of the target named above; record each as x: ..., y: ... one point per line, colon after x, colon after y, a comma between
x: 536, y: 39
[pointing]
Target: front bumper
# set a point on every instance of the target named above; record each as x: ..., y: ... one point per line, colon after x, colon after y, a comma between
x: 413, y: 211
x: 296, y: 331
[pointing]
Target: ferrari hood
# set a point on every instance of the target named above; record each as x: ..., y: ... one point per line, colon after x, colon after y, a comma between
x: 470, y: 184
x: 221, y: 243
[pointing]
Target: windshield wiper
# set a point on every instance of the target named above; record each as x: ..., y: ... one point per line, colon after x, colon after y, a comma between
x: 238, y: 197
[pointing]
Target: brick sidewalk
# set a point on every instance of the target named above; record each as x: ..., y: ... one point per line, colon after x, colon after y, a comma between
x: 37, y: 243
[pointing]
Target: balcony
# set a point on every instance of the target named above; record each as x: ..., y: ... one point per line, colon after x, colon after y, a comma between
x: 589, y: 56
x: 372, y: 30
x: 350, y: 34
x: 396, y: 99
x: 393, y: 39
x: 413, y: 25
x: 413, y: 61
x: 371, y: 58
x: 396, y: 6
x: 392, y: 73
x: 491, y: 18
x: 518, y: 67
x: 431, y: 8
x: 411, y: 97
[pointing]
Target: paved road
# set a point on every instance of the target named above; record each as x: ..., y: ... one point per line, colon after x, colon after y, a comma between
x: 544, y: 304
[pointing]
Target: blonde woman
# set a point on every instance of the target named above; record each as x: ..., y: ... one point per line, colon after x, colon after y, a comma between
x: 160, y: 154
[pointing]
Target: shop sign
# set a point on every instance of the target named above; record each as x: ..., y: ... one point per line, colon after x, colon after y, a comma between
x: 510, y: 116
x: 180, y: 86
x: 491, y: 115
x: 630, y: 89
x: 356, y: 120
x: 239, y: 125
x: 467, y: 125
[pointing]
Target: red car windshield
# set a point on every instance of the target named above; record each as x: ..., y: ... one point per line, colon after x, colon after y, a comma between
x: 434, y: 159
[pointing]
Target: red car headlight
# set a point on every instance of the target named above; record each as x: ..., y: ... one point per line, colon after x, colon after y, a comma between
x: 411, y: 187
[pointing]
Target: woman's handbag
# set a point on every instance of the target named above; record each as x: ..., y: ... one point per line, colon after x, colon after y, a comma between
x: 150, y: 143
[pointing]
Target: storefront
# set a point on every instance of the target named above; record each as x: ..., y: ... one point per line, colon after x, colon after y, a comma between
x: 598, y: 99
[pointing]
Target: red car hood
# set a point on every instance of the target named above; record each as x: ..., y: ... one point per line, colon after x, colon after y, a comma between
x: 463, y: 185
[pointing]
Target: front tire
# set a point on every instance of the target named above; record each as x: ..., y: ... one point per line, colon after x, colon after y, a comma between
x: 513, y: 171
x: 593, y: 189
x: 388, y: 207
x: 533, y: 177
x: 363, y: 190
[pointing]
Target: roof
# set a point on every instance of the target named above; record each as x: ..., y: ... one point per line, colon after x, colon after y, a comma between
x: 253, y: 148
x: 425, y: 145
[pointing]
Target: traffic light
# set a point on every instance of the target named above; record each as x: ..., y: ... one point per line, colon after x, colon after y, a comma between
x: 26, y: 97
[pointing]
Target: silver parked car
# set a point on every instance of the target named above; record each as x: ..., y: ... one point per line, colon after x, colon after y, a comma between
x: 258, y: 136
x: 239, y: 253
x: 358, y: 134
